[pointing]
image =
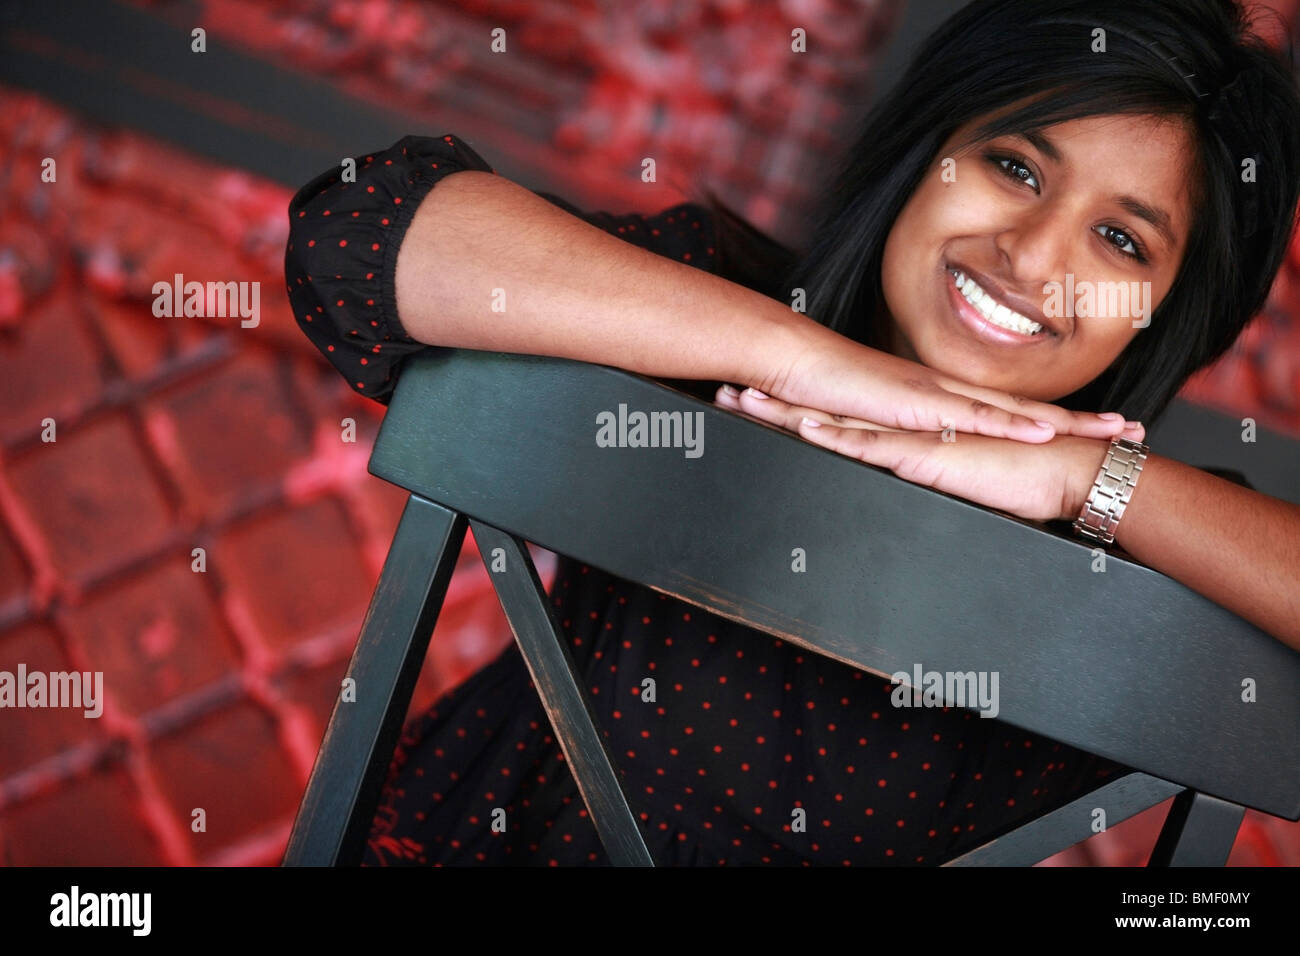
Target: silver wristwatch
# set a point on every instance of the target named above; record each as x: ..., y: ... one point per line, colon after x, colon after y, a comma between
x: 1112, y: 490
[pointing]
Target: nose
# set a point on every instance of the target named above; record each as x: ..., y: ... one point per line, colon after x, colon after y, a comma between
x: 1035, y: 246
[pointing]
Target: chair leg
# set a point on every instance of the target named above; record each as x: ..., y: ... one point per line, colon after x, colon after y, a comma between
x: 1065, y: 826
x: 337, y: 810
x: 1199, y: 831
x: 556, y: 678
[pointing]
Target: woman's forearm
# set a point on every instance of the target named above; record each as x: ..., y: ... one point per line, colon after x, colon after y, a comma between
x: 575, y: 291
x: 1237, y: 547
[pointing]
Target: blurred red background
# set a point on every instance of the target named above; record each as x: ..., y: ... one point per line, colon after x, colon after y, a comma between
x: 175, y: 434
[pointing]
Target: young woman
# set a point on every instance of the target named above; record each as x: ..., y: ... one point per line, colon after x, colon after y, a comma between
x: 1034, y: 146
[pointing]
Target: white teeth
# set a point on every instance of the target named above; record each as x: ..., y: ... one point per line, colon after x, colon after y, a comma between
x: 994, y: 311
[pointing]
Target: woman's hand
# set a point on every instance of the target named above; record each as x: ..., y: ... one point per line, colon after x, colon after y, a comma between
x: 883, y: 390
x: 1036, y: 482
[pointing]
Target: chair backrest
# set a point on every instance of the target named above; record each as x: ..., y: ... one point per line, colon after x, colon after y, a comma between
x: 854, y: 563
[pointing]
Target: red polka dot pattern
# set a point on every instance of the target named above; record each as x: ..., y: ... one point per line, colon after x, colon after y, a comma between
x: 878, y: 785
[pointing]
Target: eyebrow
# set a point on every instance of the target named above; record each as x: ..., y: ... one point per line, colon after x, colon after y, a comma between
x: 1158, y: 218
x: 1153, y: 215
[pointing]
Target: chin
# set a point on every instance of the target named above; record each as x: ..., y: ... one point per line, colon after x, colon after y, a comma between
x: 971, y: 368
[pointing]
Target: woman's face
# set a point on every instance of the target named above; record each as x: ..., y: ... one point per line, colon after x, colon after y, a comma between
x: 1079, y: 233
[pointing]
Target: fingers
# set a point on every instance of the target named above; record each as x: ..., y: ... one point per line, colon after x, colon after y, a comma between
x: 785, y: 415
x: 886, y: 448
x: 1063, y: 421
x: 929, y: 407
x: 970, y: 414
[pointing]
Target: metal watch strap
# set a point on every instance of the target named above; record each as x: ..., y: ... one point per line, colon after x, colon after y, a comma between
x: 1111, y: 491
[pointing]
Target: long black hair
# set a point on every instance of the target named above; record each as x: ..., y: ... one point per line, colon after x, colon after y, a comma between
x: 1194, y: 59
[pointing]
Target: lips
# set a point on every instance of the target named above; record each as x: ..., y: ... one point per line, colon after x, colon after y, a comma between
x: 1007, y: 310
x: 982, y: 328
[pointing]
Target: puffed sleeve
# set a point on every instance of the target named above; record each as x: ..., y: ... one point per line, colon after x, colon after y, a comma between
x: 341, y: 257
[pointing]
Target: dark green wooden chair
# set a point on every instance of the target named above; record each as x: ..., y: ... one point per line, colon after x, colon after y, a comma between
x: 505, y: 445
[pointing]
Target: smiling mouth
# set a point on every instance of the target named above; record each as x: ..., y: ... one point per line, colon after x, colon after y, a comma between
x: 993, y: 311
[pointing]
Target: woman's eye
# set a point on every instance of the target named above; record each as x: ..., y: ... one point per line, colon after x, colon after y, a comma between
x: 1121, y: 240
x: 1017, y: 170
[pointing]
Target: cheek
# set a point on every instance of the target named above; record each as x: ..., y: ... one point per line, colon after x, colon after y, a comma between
x: 924, y: 217
x: 938, y: 213
x: 1117, y: 322
x: 911, y: 247
x: 1098, y: 343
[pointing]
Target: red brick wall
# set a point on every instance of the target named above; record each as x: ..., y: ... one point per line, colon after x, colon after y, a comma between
x: 174, y: 434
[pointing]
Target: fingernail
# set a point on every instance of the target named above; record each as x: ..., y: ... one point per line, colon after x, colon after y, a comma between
x: 730, y: 390
x: 1111, y: 416
x: 1044, y: 424
x: 811, y: 424
x: 755, y: 392
x: 1133, y: 424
